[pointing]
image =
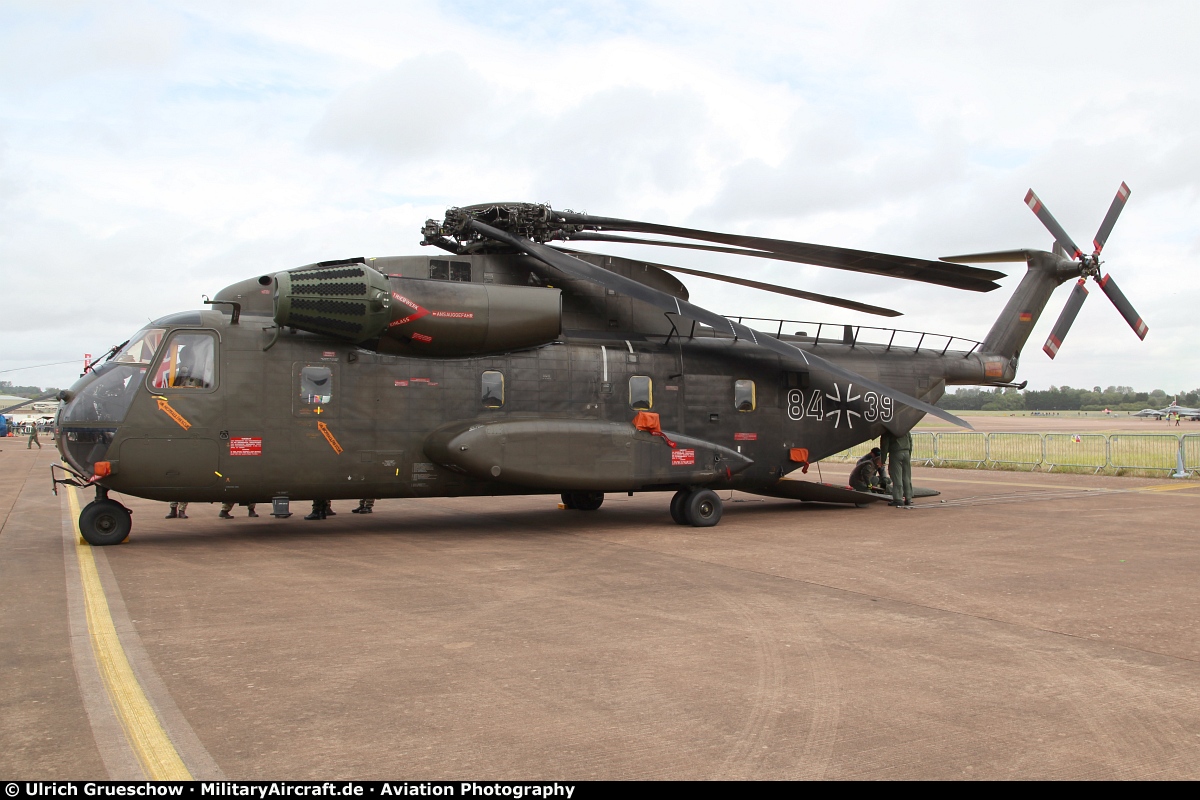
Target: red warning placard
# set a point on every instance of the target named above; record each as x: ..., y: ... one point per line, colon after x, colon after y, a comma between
x: 245, y: 446
x: 745, y: 437
x: 683, y: 458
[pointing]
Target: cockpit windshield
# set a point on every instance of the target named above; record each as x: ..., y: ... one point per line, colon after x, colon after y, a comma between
x: 141, y: 347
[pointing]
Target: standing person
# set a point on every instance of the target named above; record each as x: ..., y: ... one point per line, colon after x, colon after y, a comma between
x: 33, y: 439
x: 364, y: 507
x: 900, y: 468
x: 227, y: 507
x: 321, y: 509
x: 177, y: 510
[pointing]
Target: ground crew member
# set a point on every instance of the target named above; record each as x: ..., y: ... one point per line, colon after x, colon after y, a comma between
x: 868, y: 472
x: 177, y: 510
x: 364, y: 507
x: 33, y: 439
x: 321, y: 509
x: 227, y: 507
x: 899, y: 449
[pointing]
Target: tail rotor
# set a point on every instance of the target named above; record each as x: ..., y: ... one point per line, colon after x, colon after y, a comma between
x: 1089, y: 267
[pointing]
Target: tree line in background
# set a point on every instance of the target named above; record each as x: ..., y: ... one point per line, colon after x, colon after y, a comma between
x: 6, y: 387
x: 1063, y: 398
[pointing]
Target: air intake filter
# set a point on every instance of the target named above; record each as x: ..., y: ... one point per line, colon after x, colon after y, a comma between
x: 345, y: 300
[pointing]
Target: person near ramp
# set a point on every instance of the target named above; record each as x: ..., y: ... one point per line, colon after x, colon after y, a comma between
x: 868, y: 472
x: 899, y: 457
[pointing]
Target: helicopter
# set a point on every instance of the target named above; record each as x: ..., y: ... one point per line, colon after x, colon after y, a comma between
x: 510, y: 363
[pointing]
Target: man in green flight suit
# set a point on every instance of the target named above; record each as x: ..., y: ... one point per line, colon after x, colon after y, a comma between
x: 868, y: 472
x: 899, y: 453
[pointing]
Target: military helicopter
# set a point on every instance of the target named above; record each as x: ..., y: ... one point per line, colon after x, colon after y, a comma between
x: 513, y: 366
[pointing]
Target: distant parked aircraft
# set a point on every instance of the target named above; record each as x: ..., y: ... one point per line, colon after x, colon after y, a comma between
x: 1183, y: 411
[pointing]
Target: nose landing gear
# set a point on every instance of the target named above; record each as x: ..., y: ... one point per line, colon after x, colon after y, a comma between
x: 103, y: 521
x: 700, y: 508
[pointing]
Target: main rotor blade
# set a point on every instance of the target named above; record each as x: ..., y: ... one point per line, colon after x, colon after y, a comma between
x: 37, y: 399
x: 1110, y: 218
x: 917, y: 269
x: 1052, y: 225
x: 1124, y: 306
x: 998, y: 257
x: 578, y: 268
x: 1066, y: 318
x: 830, y: 300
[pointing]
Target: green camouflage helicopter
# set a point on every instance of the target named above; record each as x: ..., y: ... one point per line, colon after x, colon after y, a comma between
x: 511, y: 366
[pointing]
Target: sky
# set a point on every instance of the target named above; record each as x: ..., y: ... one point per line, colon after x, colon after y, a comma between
x: 154, y: 152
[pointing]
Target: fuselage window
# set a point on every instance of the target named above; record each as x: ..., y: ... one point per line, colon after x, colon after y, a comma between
x: 442, y: 270
x: 492, y: 389
x: 641, y: 393
x: 188, y: 362
x: 316, y: 386
x: 743, y: 395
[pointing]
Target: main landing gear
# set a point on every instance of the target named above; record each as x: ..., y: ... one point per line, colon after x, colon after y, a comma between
x: 583, y: 501
x: 700, y: 508
x: 104, y: 521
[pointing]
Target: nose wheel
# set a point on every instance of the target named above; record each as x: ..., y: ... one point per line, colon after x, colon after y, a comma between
x: 104, y: 522
x: 700, y: 508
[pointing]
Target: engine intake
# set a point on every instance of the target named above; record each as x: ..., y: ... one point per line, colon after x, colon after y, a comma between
x: 413, y: 316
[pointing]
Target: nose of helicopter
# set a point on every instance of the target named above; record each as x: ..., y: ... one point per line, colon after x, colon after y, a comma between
x: 91, y: 413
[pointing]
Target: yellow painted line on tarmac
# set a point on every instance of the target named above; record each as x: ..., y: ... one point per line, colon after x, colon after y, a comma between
x: 150, y: 742
x: 1169, y: 487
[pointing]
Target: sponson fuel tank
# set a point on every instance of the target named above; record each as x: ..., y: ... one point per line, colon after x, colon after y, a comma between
x: 413, y: 316
x: 579, y: 455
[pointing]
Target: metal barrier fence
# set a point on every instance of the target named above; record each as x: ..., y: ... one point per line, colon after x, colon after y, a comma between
x: 1017, y: 449
x: 964, y: 448
x: 1143, y: 452
x: 1095, y: 451
x: 1078, y: 450
x: 1190, y: 450
x: 924, y: 448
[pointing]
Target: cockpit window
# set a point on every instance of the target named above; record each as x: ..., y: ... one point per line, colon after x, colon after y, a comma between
x: 141, y: 347
x: 187, y: 362
x: 107, y: 397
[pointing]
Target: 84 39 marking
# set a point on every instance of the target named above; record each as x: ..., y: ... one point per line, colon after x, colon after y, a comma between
x: 875, y: 407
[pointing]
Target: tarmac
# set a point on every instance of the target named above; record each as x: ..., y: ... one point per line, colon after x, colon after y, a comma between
x: 1031, y: 626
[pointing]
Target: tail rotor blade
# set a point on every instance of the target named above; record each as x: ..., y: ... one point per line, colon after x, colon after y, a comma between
x: 1124, y: 306
x: 1110, y: 218
x: 1052, y: 225
x: 1066, y: 318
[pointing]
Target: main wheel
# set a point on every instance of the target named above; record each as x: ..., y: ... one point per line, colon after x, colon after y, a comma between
x: 104, y: 522
x: 702, y: 508
x: 568, y: 499
x: 677, y: 503
x: 589, y: 501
